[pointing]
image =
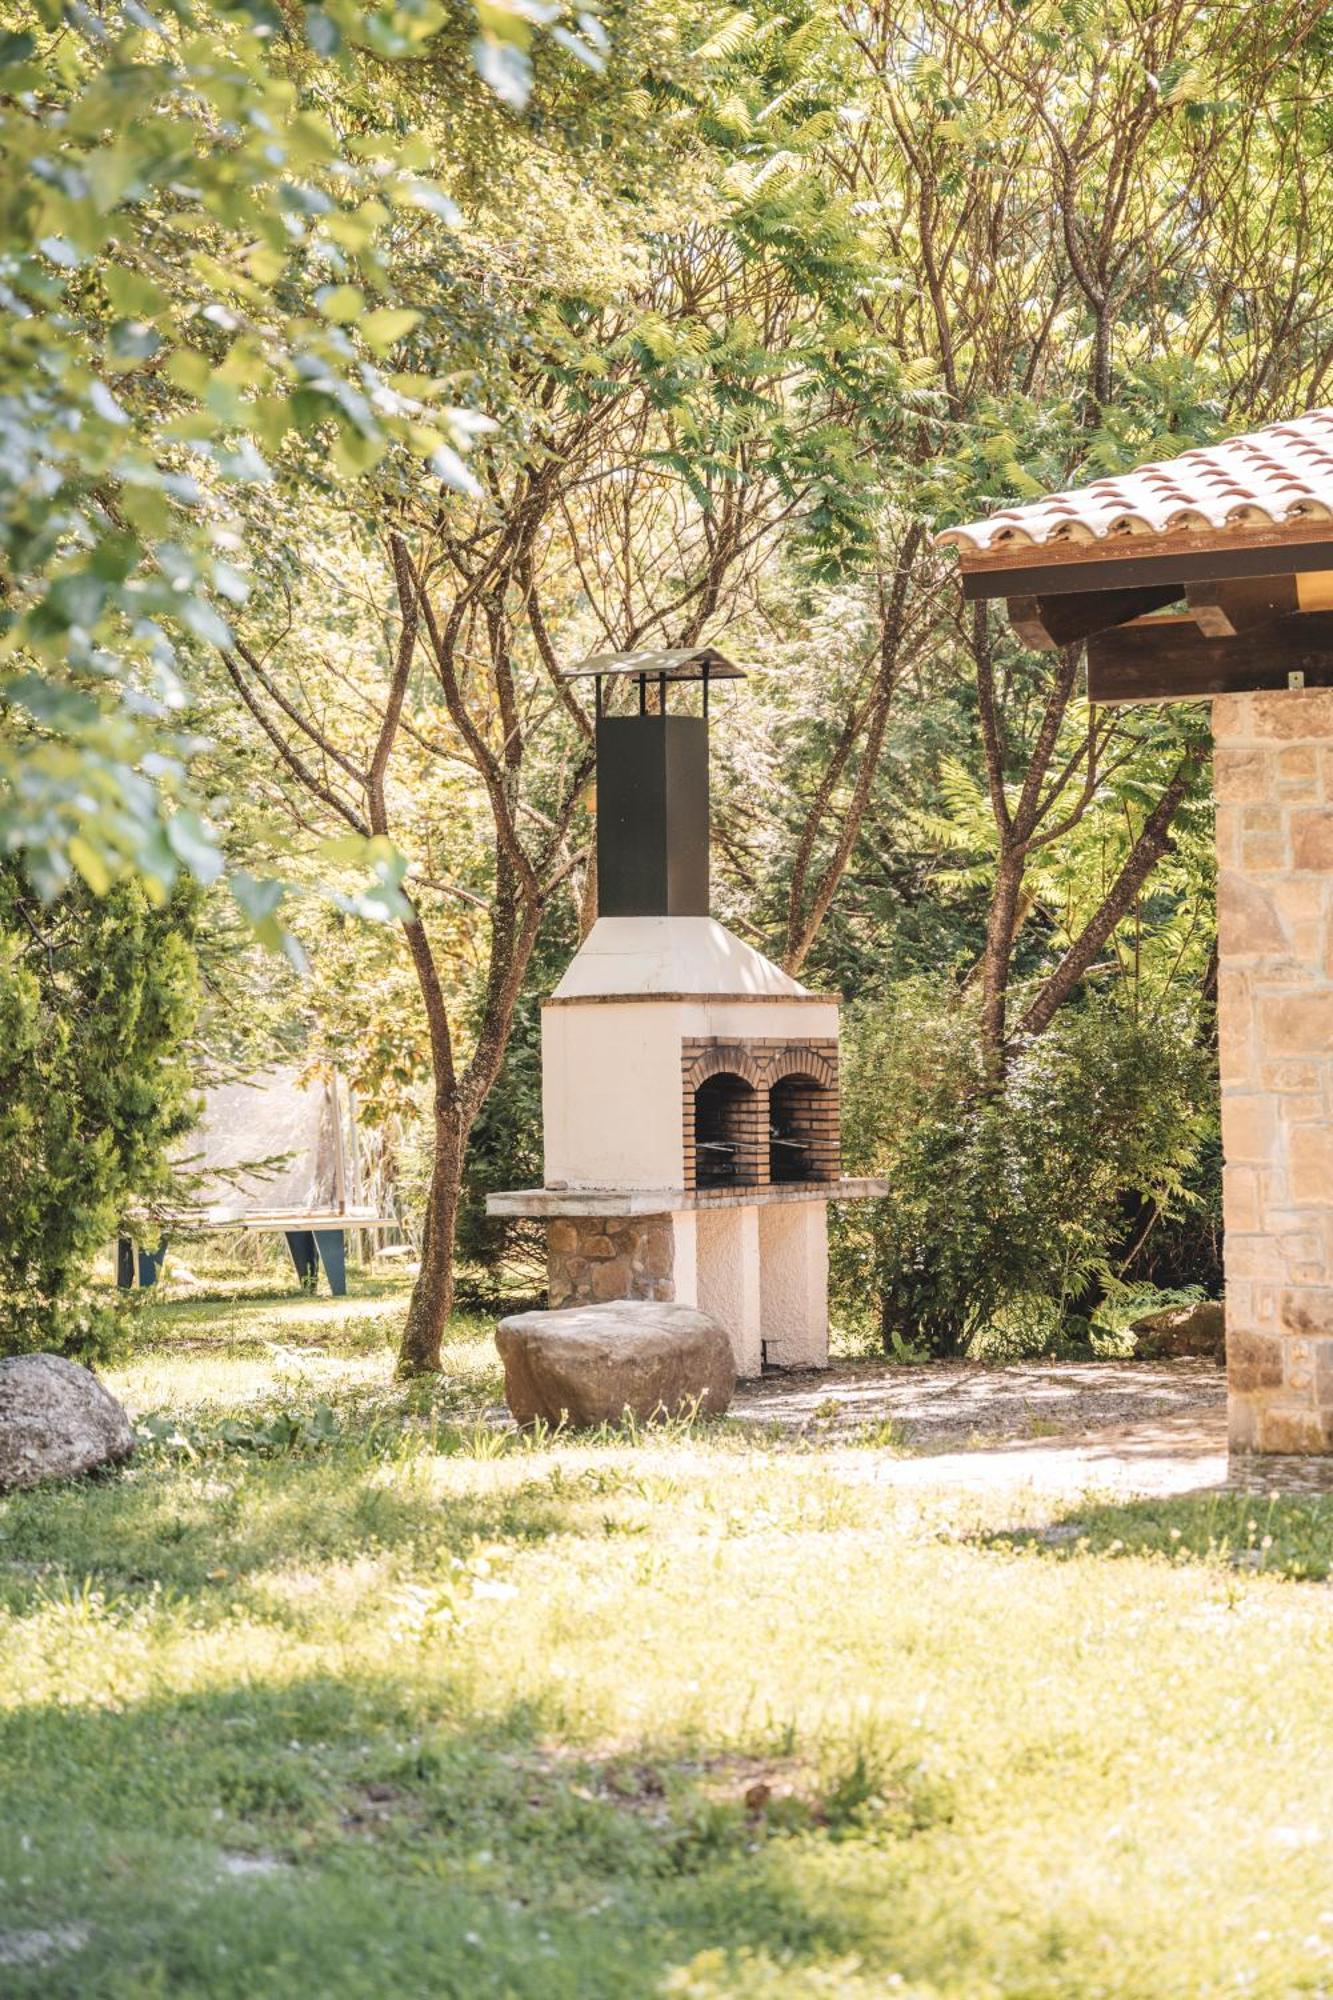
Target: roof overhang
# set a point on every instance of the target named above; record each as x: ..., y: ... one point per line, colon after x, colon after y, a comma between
x: 1241, y: 532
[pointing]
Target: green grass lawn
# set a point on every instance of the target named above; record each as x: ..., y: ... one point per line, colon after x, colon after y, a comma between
x: 338, y: 1690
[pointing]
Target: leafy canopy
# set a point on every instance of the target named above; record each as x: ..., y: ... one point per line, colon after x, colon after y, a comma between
x: 195, y: 269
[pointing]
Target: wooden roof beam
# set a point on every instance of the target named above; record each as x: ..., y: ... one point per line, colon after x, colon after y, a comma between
x: 1169, y: 659
x: 1223, y: 610
x: 1046, y: 623
x: 1137, y: 561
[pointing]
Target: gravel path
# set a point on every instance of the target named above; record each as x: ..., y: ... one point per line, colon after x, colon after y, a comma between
x: 948, y: 1406
x: 1126, y: 1428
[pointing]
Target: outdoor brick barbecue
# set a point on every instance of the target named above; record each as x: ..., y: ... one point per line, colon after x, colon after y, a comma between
x: 689, y: 1085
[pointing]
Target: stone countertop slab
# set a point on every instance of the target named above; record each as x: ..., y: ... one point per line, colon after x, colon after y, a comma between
x: 671, y: 1201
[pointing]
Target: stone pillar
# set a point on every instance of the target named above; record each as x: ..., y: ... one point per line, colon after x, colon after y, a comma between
x: 793, y: 1284
x: 1273, y: 779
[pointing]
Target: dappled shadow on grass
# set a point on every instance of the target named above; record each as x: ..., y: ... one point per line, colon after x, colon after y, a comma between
x: 206, y: 1530
x: 347, y: 1835
x: 212, y: 1500
x: 218, y: 1522
x: 342, y: 1835
x: 1275, y: 1534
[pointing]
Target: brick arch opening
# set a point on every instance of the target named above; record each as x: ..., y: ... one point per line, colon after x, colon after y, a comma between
x: 800, y: 1059
x: 801, y: 1135
x: 802, y: 1127
x: 728, y: 1057
x: 728, y: 1129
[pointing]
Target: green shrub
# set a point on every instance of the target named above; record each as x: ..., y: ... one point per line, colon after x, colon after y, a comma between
x: 1006, y: 1200
x: 96, y: 997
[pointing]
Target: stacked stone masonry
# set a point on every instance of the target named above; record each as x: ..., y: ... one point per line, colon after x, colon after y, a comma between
x: 762, y: 1064
x: 1273, y: 780
x: 592, y: 1259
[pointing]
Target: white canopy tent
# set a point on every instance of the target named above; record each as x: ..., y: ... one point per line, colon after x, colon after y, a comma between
x: 278, y: 1150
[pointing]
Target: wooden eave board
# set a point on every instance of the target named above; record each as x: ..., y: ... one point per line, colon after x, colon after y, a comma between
x: 1129, y: 561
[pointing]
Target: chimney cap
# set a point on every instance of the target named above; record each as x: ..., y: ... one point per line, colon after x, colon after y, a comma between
x: 689, y: 663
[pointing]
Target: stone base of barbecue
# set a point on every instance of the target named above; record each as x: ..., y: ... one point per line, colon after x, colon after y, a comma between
x: 759, y: 1270
x: 591, y: 1259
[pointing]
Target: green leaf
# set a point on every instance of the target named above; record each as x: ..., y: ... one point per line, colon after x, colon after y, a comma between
x: 193, y: 844
x: 340, y: 303
x: 60, y: 251
x: 132, y: 295
x: 75, y: 599
x: 89, y: 864
x: 507, y: 69
x: 189, y: 370
x: 427, y: 195
x: 112, y: 172
x: 382, y: 328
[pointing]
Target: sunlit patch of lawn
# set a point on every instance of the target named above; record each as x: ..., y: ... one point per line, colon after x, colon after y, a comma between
x: 199, y: 1355
x: 402, y: 1703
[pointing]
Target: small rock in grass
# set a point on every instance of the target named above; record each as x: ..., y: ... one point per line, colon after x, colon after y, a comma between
x: 56, y: 1421
x: 250, y: 1864
x: 1179, y: 1331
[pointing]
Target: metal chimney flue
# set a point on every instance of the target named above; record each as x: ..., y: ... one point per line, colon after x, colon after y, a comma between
x: 652, y: 786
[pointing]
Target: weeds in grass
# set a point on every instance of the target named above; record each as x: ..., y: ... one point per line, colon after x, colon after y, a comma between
x: 423, y: 1615
x: 284, y: 1430
x: 480, y: 1441
x: 882, y: 1435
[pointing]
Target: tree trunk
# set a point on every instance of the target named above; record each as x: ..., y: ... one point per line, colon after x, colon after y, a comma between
x: 432, y: 1298
x: 872, y: 715
x: 433, y: 1293
x: 1001, y: 930
x: 1151, y: 845
x: 587, y: 896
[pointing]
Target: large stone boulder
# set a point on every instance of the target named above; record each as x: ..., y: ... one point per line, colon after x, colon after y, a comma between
x: 1198, y: 1329
x: 592, y: 1364
x: 56, y: 1421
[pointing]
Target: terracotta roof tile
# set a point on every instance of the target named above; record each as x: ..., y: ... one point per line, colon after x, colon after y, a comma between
x: 1273, y: 477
